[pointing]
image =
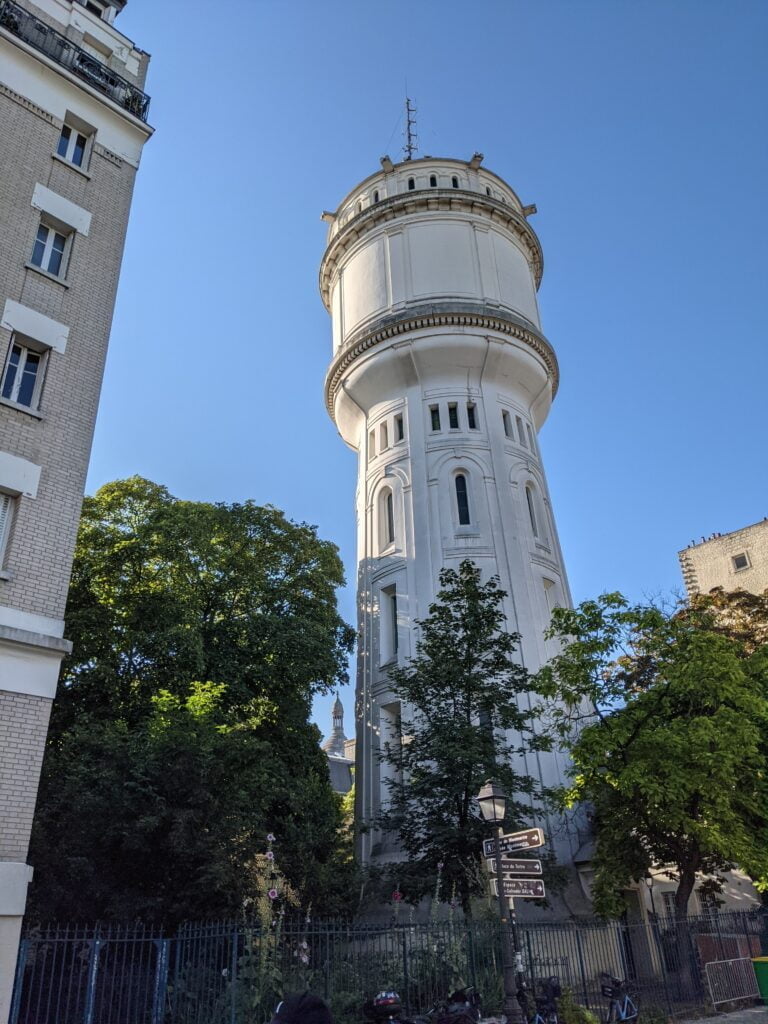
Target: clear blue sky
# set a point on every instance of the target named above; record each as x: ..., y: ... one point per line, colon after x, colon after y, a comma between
x: 639, y: 130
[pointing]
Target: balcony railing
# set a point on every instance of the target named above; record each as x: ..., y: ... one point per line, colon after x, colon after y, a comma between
x: 42, y: 37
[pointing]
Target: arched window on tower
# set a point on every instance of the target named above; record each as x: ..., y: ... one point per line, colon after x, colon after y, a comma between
x: 455, y: 181
x: 411, y: 184
x: 531, y: 500
x: 376, y: 197
x: 386, y: 519
x: 462, y: 499
x: 433, y: 181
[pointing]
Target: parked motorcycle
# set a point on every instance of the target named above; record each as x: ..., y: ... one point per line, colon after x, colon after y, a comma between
x: 461, y: 1007
x: 385, y: 1006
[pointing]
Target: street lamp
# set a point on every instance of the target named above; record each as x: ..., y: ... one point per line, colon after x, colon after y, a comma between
x: 493, y: 805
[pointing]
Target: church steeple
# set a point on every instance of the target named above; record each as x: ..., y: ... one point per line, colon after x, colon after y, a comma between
x: 334, y: 746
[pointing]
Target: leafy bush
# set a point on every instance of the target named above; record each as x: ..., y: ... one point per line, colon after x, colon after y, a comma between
x: 571, y: 1012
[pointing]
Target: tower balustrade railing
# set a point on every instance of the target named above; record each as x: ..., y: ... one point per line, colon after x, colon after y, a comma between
x: 46, y: 40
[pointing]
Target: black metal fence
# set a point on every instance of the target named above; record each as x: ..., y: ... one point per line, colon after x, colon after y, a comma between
x: 230, y: 973
x: 37, y: 34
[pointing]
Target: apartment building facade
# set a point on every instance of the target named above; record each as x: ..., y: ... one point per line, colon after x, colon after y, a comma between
x: 73, y: 122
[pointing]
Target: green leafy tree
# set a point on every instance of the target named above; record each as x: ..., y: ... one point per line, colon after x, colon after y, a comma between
x: 181, y: 736
x: 665, y: 714
x: 462, y: 724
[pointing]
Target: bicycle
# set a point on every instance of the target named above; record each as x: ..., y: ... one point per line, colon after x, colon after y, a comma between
x: 545, y: 1011
x: 620, y: 1006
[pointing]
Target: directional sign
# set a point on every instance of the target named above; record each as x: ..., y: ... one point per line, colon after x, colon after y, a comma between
x: 525, y: 888
x: 510, y: 867
x: 530, y: 839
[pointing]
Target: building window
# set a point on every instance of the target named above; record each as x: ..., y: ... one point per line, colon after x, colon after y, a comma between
x: 7, y: 504
x: 388, y: 621
x: 386, y: 519
x: 94, y: 7
x: 530, y: 437
x: 455, y: 181
x: 371, y: 445
x: 740, y: 562
x: 708, y: 903
x: 433, y: 181
x: 72, y: 145
x: 668, y: 902
x: 505, y: 419
x: 453, y: 416
x: 462, y: 500
x: 532, y: 510
x: 375, y: 197
x: 383, y: 437
x: 390, y: 510
x: 550, y: 595
x: 399, y: 431
x: 390, y: 741
x: 520, y: 431
x: 50, y: 250
x: 23, y: 375
x: 434, y: 415
x: 411, y: 184
x: 471, y: 418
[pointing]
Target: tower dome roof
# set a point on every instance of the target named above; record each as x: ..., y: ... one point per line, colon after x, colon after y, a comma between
x: 334, y: 746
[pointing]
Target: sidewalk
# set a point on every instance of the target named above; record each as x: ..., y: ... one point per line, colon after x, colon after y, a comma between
x: 750, y: 1015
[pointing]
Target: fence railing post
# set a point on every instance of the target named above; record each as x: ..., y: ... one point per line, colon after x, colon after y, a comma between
x: 582, y: 969
x: 93, y: 976
x: 233, y: 974
x: 161, y: 980
x: 471, y: 954
x: 406, y: 982
x: 662, y: 958
x: 18, y: 982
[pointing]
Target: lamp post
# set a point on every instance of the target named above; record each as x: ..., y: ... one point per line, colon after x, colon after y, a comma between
x: 493, y: 804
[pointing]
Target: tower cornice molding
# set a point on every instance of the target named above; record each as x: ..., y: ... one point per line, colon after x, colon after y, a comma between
x: 448, y: 200
x: 435, y: 315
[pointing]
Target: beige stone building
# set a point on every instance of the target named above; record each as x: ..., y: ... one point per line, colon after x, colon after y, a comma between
x: 733, y: 561
x: 73, y: 121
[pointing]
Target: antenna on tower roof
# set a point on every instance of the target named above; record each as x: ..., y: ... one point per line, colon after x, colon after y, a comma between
x: 411, y: 138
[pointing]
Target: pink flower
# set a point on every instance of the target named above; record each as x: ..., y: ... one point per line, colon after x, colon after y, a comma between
x: 304, y: 958
x: 270, y: 855
x: 270, y: 838
x: 397, y: 895
x: 272, y: 894
x: 440, y: 865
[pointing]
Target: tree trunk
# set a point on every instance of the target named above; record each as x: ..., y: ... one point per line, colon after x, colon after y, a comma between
x: 687, y: 874
x: 688, y: 975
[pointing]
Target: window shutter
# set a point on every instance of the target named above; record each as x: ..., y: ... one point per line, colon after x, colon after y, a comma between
x: 6, y: 504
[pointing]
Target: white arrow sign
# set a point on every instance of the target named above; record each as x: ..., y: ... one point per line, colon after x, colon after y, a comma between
x: 510, y: 867
x: 524, y: 888
x: 530, y: 839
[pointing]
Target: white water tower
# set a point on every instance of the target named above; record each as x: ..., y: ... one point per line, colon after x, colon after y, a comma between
x: 440, y: 380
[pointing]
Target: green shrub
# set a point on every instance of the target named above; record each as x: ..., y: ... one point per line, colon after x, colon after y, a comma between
x: 571, y: 1012
x: 654, y: 1015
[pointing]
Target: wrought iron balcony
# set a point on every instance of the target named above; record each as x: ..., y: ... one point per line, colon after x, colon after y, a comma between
x: 42, y: 37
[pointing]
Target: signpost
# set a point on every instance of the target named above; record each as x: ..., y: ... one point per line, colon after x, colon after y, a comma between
x: 530, y: 839
x: 525, y: 888
x: 515, y: 867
